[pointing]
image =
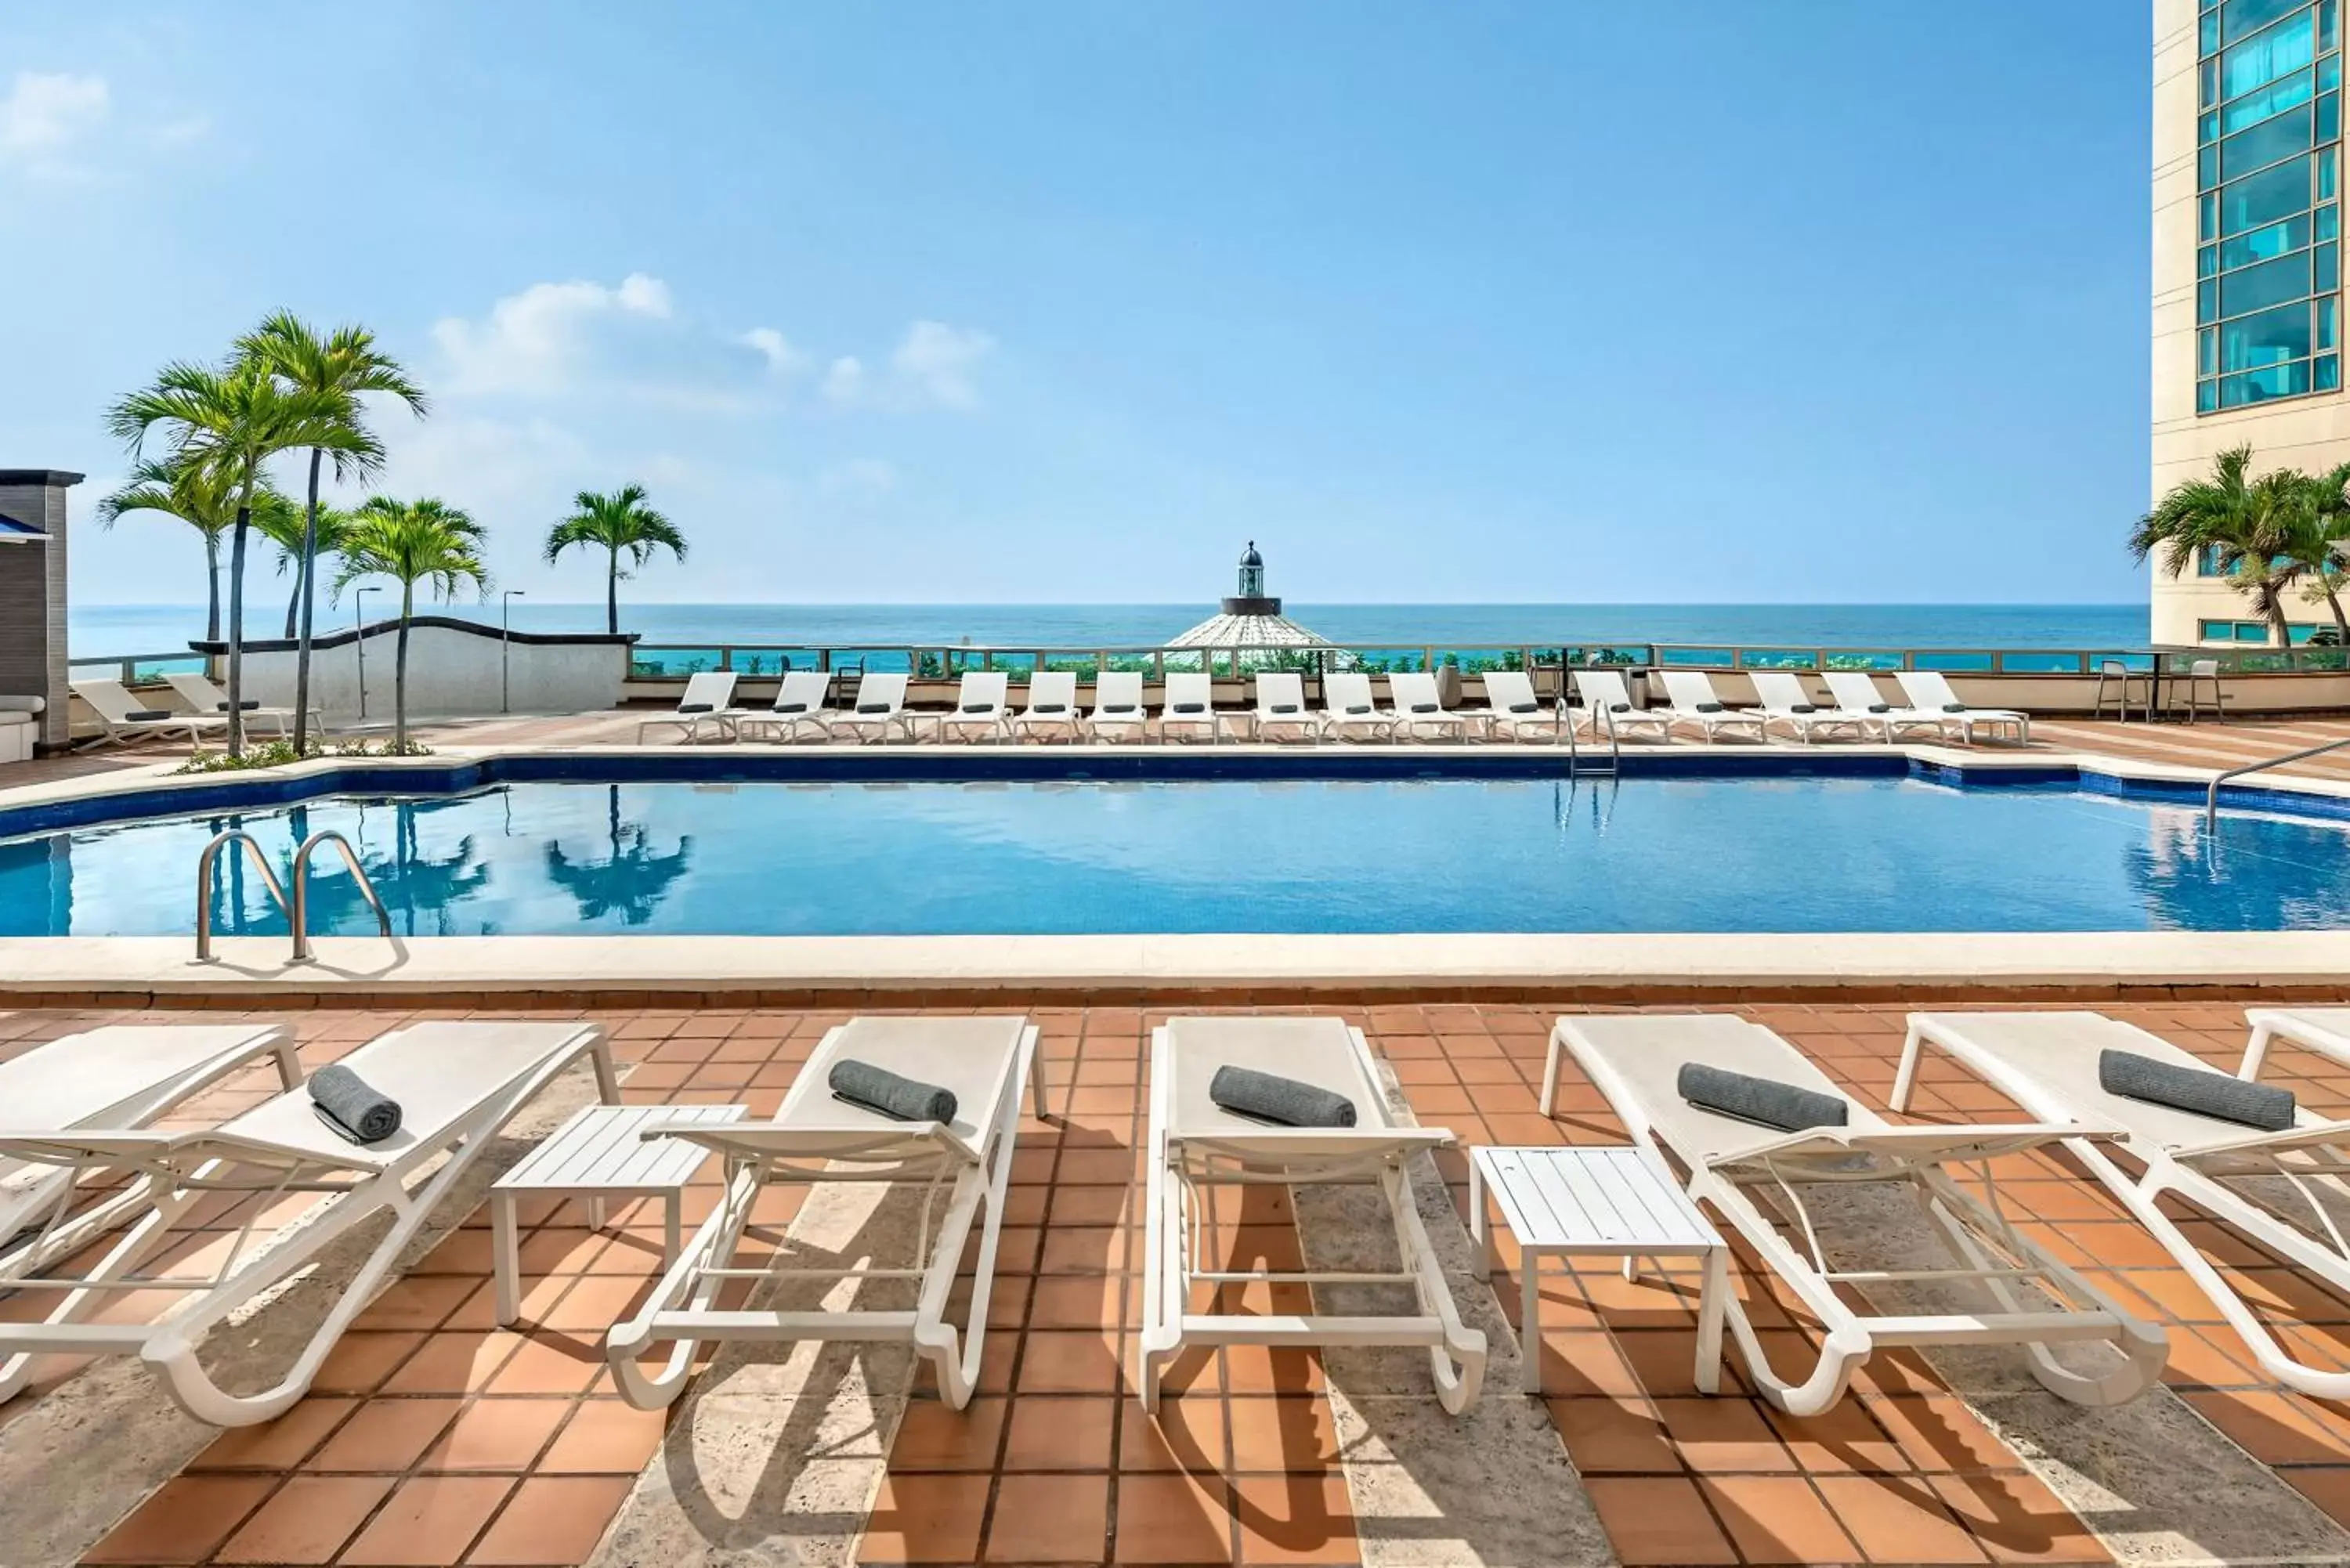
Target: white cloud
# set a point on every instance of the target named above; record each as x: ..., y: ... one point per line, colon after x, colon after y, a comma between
x: 44, y: 115
x: 860, y: 481
x: 783, y: 358
x: 937, y: 361
x: 181, y: 132
x: 561, y: 336
x: 931, y: 367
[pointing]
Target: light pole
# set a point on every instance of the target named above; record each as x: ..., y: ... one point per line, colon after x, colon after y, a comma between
x: 506, y: 646
x: 358, y: 610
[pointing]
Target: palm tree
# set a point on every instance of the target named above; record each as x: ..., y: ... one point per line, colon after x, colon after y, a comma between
x: 2247, y: 525
x: 227, y: 423
x: 619, y: 522
x: 194, y: 495
x: 345, y: 362
x: 2321, y: 543
x: 293, y: 530
x: 410, y: 542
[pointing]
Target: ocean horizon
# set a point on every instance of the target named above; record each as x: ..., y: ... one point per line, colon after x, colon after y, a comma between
x: 101, y: 630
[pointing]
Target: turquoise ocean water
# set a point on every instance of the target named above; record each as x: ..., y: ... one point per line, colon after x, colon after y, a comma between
x: 100, y: 630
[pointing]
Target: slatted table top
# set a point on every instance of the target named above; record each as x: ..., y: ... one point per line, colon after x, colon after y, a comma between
x: 598, y: 1151
x: 1591, y: 1199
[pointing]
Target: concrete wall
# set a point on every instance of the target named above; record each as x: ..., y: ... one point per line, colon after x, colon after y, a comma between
x: 33, y: 594
x: 454, y: 671
x: 2309, y: 433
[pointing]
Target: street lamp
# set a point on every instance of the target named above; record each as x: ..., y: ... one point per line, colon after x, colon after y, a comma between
x: 358, y: 613
x: 505, y: 646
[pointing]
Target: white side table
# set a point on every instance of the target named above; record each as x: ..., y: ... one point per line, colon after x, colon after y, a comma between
x: 597, y: 1155
x: 1602, y: 1202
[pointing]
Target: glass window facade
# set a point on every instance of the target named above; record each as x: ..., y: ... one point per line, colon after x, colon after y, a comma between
x: 2268, y: 266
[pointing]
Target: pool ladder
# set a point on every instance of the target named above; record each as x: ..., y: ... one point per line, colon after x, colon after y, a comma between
x: 1576, y: 767
x: 297, y: 910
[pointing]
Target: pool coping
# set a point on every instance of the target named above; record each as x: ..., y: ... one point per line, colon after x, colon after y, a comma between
x: 1595, y: 967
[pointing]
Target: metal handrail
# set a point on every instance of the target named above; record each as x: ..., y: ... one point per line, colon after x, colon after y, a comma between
x: 2211, y: 796
x: 298, y: 916
x: 205, y: 864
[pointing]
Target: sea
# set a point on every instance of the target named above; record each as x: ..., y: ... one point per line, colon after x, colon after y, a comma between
x: 96, y: 631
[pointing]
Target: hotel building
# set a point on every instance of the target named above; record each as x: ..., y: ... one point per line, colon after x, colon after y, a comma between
x: 2247, y: 267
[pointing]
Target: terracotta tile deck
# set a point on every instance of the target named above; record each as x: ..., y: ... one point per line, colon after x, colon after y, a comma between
x: 433, y: 1437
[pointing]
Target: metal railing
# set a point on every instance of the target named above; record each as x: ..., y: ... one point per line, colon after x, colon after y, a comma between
x: 658, y: 661
x: 2211, y: 795
x: 297, y: 910
x: 139, y: 669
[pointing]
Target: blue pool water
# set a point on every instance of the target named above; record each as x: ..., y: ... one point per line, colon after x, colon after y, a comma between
x: 1642, y: 855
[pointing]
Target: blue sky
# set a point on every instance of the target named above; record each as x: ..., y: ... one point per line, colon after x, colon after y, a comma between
x: 935, y: 302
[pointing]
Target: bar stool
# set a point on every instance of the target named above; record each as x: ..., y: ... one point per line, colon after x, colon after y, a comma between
x: 2203, y: 675
x: 2114, y: 678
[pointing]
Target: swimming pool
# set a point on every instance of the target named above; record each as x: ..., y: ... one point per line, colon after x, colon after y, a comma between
x: 1701, y: 854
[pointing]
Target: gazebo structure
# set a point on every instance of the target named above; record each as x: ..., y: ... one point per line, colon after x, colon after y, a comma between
x: 1250, y: 617
x: 33, y: 594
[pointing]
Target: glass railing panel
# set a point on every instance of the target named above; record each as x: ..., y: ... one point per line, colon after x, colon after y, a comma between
x: 146, y: 671
x: 1697, y: 658
x: 1778, y: 659
x: 2027, y: 661
x: 1859, y: 658
x: 1186, y: 662
x: 873, y: 660
x: 1947, y: 659
x: 2136, y: 663
x: 1084, y: 665
x: 1389, y: 661
x: 1477, y: 661
x: 772, y: 661
x: 648, y: 663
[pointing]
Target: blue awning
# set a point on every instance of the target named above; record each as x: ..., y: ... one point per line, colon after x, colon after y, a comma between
x: 15, y: 532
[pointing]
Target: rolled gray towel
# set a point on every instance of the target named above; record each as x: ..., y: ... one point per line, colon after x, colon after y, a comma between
x: 694, y: 707
x: 1708, y: 707
x: 884, y: 1093
x: 1803, y: 707
x: 1050, y: 708
x: 248, y: 706
x: 873, y: 707
x: 791, y: 707
x: 2195, y: 1089
x: 150, y: 713
x: 1956, y: 708
x: 1284, y: 708
x: 1190, y: 707
x: 1356, y: 708
x: 1880, y: 707
x: 1525, y: 707
x: 1763, y: 1101
x: 1120, y: 710
x: 349, y: 1105
x: 1427, y: 707
x: 1285, y: 1102
x: 1619, y: 707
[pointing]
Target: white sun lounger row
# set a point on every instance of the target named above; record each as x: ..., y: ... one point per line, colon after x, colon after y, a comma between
x: 1349, y: 710
x: 1758, y: 1178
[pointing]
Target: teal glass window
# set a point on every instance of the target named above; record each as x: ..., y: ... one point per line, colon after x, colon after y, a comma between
x: 2267, y: 262
x: 2206, y: 562
x: 2214, y: 630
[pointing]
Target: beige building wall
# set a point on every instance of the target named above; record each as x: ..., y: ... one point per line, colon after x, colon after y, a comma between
x: 2308, y: 433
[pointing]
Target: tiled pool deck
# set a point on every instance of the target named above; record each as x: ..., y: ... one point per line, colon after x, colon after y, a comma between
x: 434, y: 1438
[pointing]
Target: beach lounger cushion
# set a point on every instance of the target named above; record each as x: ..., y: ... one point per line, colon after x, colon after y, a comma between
x: 1285, y: 1102
x: 888, y: 1094
x: 2205, y: 1092
x: 351, y: 1106
x: 1763, y: 1101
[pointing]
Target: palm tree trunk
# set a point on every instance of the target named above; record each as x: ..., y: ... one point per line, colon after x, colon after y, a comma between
x: 212, y: 587
x: 400, y: 671
x: 236, y: 631
x: 2273, y: 604
x: 612, y: 594
x: 2340, y: 623
x: 293, y: 605
x: 307, y: 572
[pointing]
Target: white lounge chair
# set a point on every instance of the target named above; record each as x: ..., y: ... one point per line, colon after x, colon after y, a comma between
x: 880, y: 708
x: 1690, y: 692
x: 1607, y: 709
x: 120, y: 1075
x: 1855, y: 693
x: 457, y: 1083
x: 982, y: 706
x: 1191, y: 706
x: 198, y: 692
x: 1786, y: 704
x: 1347, y: 708
x: 1636, y: 1062
x: 2048, y: 1064
x: 125, y: 718
x: 708, y: 699
x: 1052, y: 705
x: 816, y: 1138
x: 798, y: 704
x: 1419, y: 705
x: 1196, y: 1145
x: 1280, y: 706
x: 1117, y: 706
x: 1930, y: 690
x: 1511, y: 707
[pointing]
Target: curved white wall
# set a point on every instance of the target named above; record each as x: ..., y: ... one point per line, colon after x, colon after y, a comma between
x: 451, y: 673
